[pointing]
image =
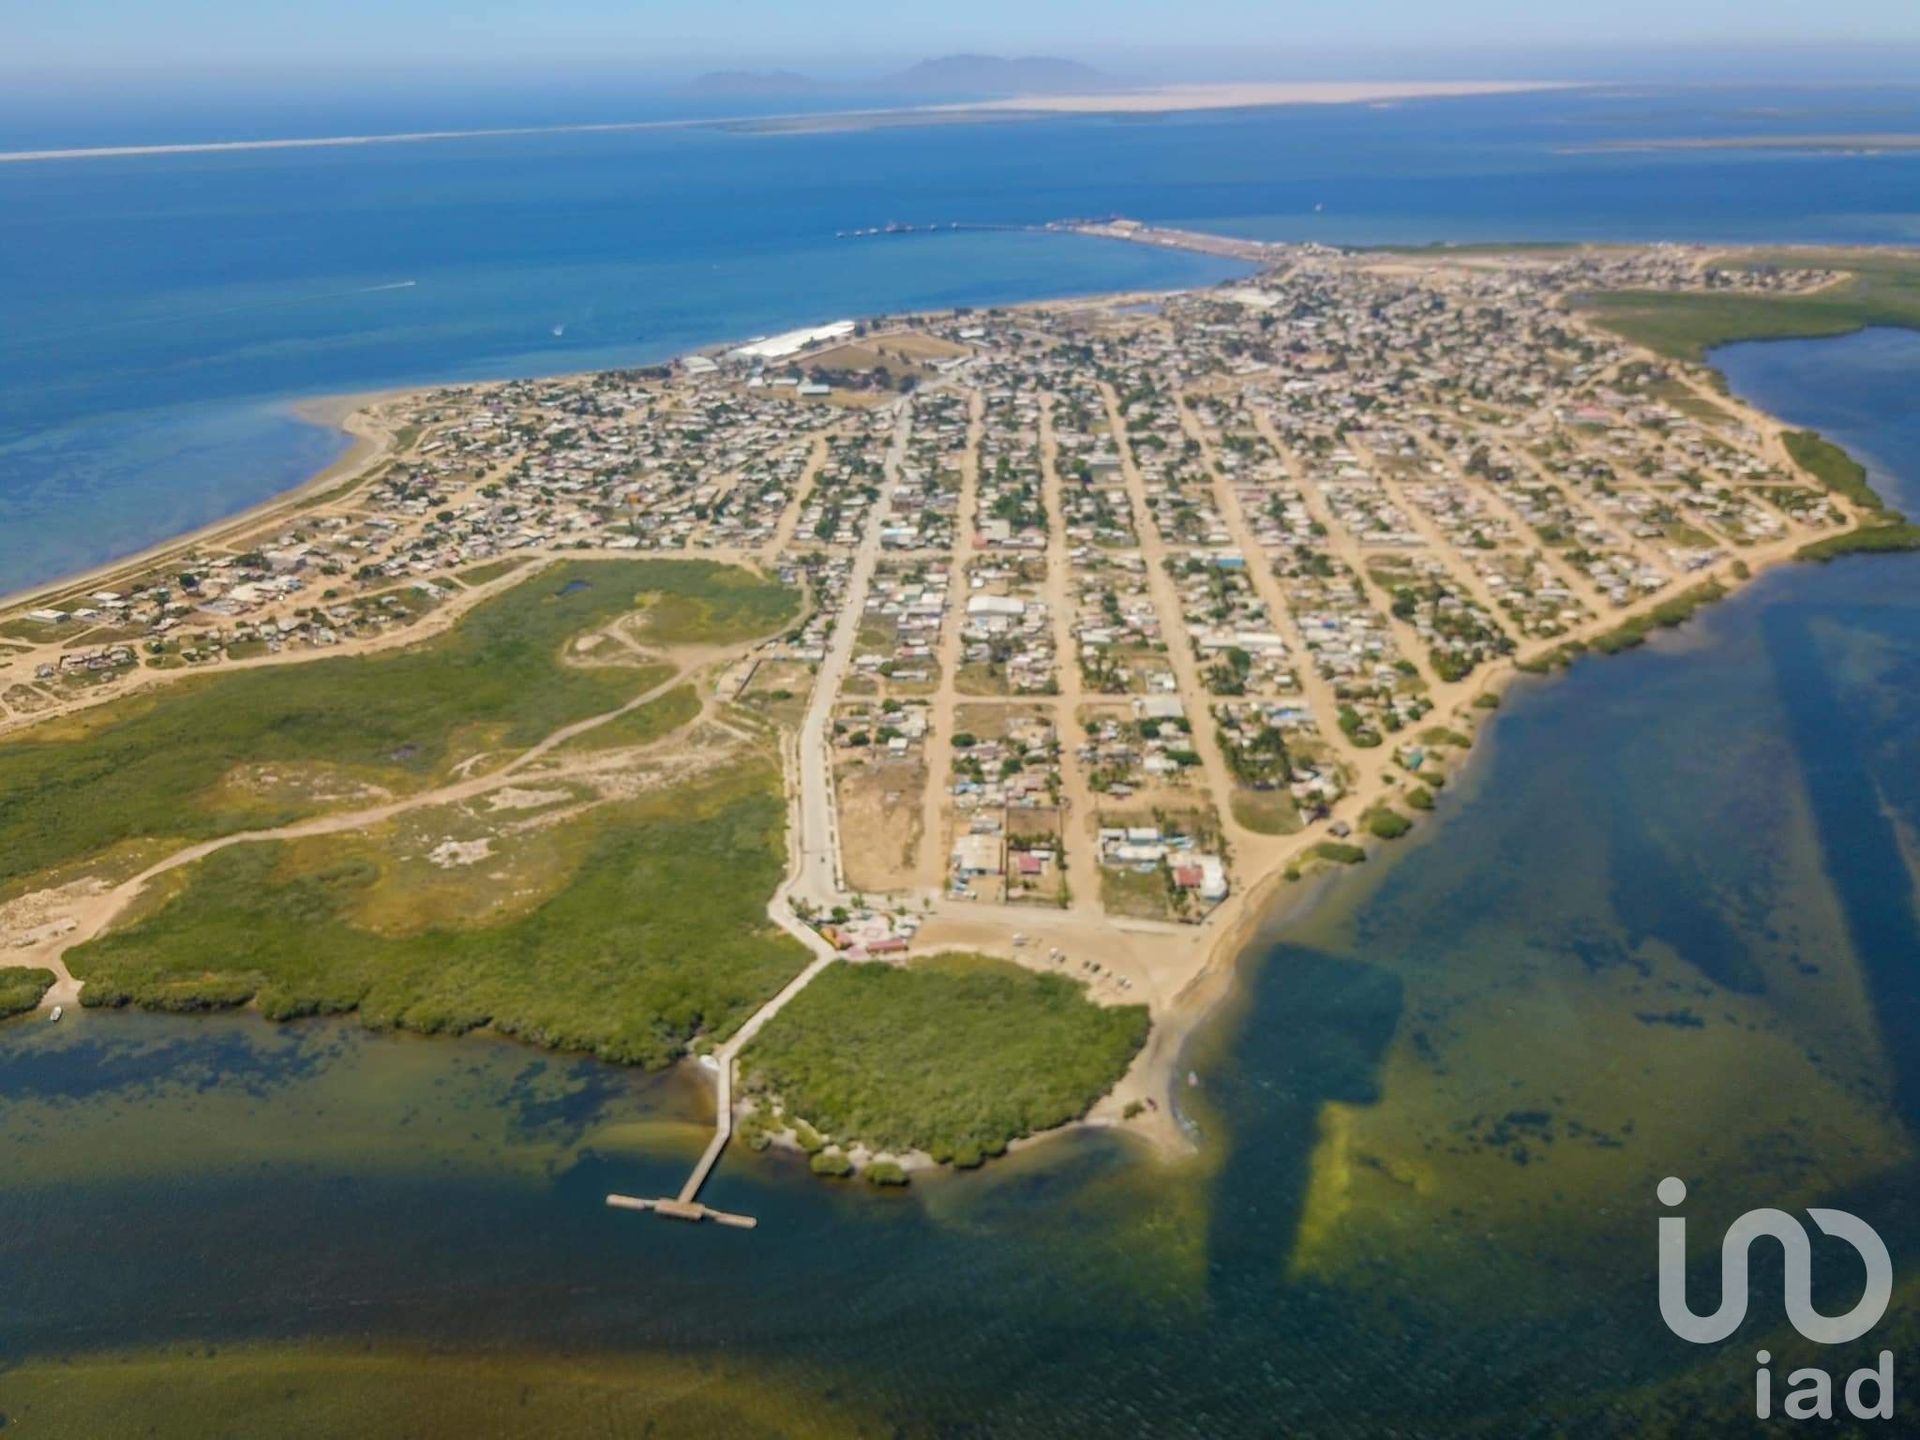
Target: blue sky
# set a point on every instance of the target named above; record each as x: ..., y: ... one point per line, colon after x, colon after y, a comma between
x: 661, y: 36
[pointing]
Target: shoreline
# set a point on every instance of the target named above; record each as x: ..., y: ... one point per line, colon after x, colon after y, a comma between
x: 1155, y: 100
x: 1269, y: 901
x: 369, y: 445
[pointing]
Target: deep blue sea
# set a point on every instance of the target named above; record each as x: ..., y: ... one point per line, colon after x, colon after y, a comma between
x: 157, y: 314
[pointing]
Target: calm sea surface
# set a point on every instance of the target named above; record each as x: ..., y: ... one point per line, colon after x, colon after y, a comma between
x: 1666, y: 926
x: 157, y: 314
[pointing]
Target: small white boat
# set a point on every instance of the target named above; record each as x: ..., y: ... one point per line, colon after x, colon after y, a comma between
x: 58, y: 1011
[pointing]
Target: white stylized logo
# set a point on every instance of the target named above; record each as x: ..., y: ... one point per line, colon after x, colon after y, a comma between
x: 1813, y: 1393
x: 1798, y: 1251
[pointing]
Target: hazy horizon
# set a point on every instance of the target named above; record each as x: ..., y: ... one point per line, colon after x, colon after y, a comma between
x: 847, y: 39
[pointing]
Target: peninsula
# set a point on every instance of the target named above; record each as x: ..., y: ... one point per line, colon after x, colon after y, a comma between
x: 907, y: 719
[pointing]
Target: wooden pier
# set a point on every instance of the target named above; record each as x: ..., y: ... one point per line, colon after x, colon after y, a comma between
x: 683, y: 1210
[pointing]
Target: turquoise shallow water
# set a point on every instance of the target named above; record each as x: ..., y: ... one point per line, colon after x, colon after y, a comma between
x: 157, y: 314
x: 1666, y: 925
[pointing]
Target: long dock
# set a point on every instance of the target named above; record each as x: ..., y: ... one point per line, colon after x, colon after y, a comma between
x: 682, y: 1210
x: 686, y: 1205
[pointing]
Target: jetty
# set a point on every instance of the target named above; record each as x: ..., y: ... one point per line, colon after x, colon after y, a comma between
x: 686, y: 1205
x: 682, y: 1210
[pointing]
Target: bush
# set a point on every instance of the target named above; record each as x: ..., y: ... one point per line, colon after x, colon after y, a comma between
x: 1387, y: 824
x: 1338, y: 852
x: 1420, y: 798
x: 807, y: 1138
x: 22, y: 990
x: 885, y: 1173
x: 832, y: 1163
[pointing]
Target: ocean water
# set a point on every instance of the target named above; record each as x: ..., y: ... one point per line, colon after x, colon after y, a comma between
x: 159, y: 314
x: 1665, y: 926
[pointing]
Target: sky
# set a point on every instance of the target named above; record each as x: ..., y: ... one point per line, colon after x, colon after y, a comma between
x: 1149, y: 39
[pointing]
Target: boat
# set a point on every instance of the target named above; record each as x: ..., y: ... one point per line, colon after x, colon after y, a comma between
x: 58, y: 1011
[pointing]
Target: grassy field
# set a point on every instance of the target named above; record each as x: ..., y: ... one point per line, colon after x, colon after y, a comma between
x: 955, y: 1055
x: 652, y: 721
x: 657, y: 936
x: 155, y: 765
x: 1266, y: 812
x: 1883, y: 290
x: 21, y: 990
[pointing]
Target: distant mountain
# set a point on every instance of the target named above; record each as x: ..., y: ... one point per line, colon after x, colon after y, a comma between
x: 747, y: 83
x: 997, y: 75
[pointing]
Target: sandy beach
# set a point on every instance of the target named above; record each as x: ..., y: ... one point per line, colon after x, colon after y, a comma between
x: 355, y: 414
x: 1167, y: 99
x: 1159, y: 100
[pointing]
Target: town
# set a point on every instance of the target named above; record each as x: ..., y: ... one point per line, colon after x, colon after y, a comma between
x: 1120, y: 610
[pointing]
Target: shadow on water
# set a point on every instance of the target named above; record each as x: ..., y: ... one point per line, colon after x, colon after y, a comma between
x: 1323, y: 1022
x: 1842, y: 761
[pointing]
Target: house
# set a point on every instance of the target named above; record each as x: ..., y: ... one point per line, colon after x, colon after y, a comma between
x: 977, y: 855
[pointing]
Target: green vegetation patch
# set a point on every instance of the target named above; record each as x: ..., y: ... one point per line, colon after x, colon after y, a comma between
x: 154, y: 766
x: 955, y: 1055
x: 1832, y: 467
x: 1337, y: 852
x: 1267, y: 812
x: 831, y: 1163
x: 1684, y: 325
x: 660, y: 936
x: 22, y: 990
x: 1387, y: 824
x: 1886, y: 530
x: 722, y: 604
x: 1865, y: 540
x: 1667, y: 614
x: 643, y: 724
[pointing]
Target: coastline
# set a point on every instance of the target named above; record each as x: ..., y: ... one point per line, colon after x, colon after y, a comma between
x: 1269, y: 901
x: 370, y: 445
x: 1158, y: 100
